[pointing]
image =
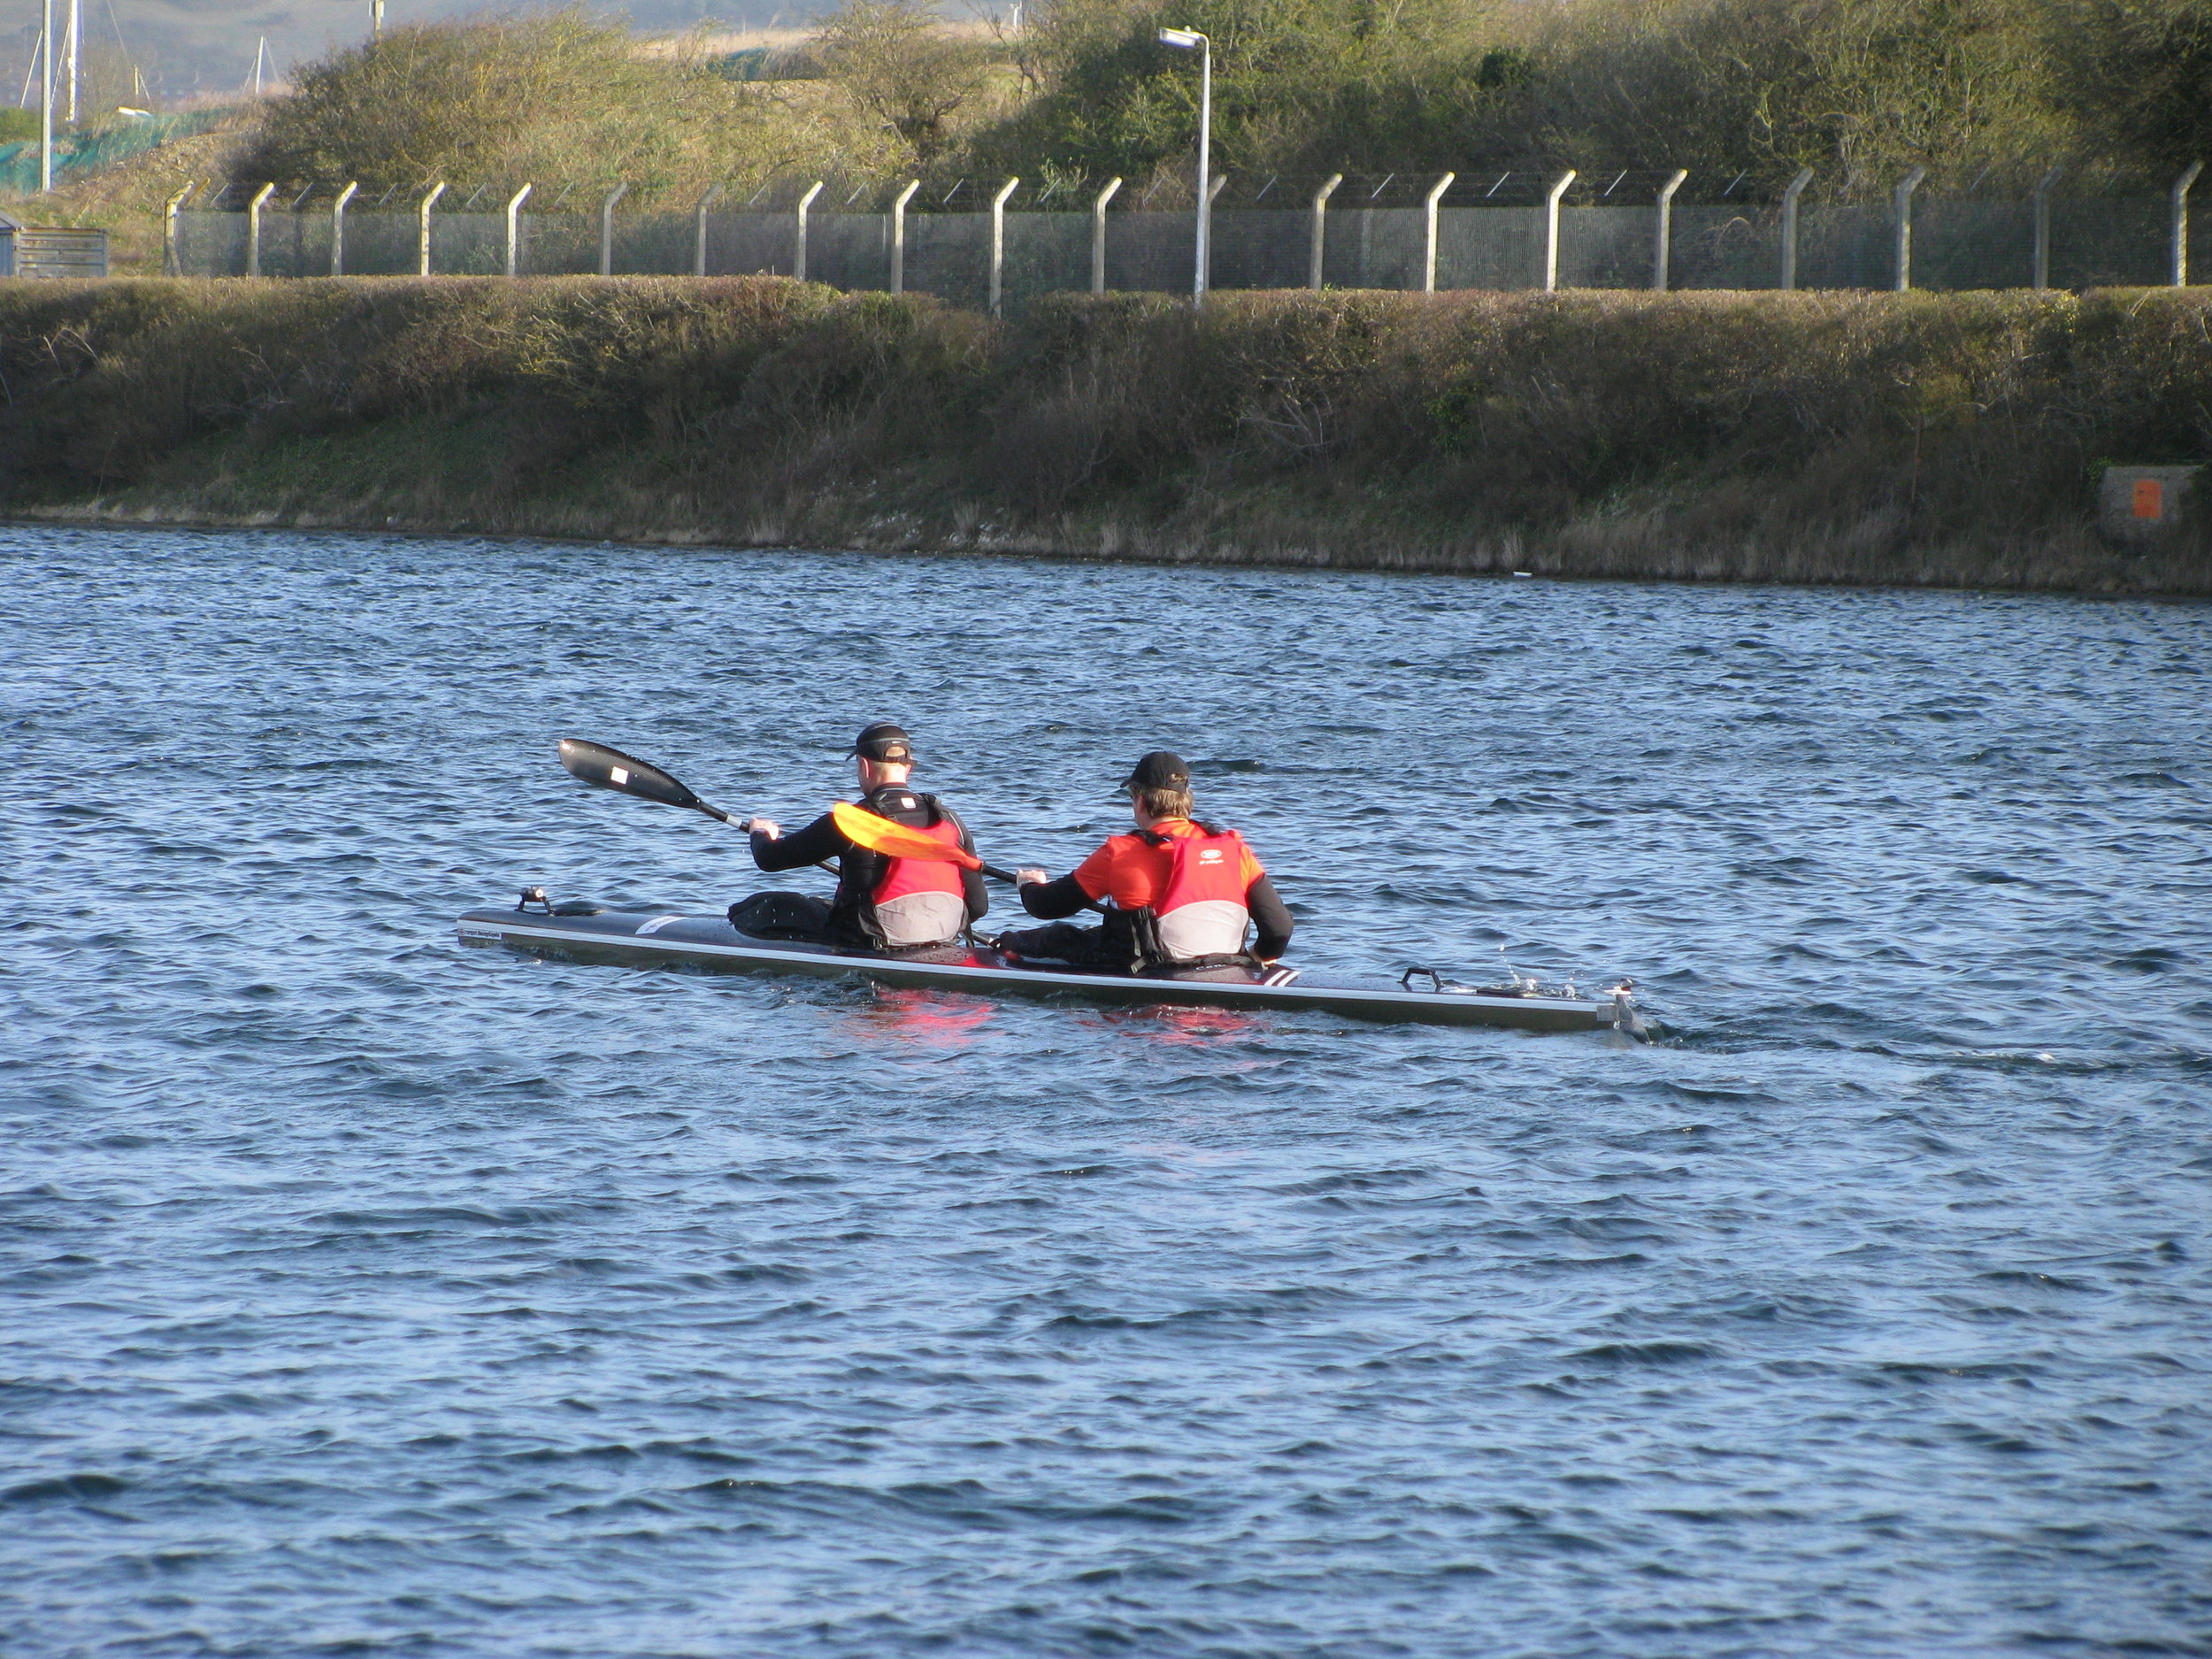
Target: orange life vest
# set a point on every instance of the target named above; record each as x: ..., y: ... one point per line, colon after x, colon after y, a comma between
x: 921, y: 900
x: 1202, y: 913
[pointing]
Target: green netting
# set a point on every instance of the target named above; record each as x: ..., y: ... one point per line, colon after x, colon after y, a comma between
x: 88, y: 152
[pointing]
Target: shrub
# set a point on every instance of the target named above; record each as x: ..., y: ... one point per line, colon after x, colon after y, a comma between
x: 1855, y: 437
x: 2137, y: 73
x: 1296, y: 83
x: 1858, y: 90
x: 557, y: 95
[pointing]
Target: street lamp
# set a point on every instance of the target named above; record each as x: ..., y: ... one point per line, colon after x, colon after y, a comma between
x: 1186, y: 39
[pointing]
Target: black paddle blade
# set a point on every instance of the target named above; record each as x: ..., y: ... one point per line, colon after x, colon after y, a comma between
x: 611, y: 769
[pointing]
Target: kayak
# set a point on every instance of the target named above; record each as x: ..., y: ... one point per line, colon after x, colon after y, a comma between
x: 581, y: 931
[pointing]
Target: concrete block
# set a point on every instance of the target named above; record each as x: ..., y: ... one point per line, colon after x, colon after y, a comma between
x: 2136, y: 503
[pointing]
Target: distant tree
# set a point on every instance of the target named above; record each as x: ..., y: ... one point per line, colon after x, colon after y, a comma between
x: 897, y: 60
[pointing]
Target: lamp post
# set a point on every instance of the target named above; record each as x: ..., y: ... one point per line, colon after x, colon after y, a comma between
x: 1186, y: 39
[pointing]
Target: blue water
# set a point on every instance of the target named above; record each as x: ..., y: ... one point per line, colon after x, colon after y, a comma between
x: 360, y: 1293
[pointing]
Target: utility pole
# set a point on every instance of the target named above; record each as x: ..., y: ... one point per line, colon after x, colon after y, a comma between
x: 76, y: 54
x: 376, y: 19
x: 260, y: 53
x: 46, y: 101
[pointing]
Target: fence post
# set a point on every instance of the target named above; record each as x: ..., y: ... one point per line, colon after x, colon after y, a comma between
x: 998, y: 239
x: 1789, y: 227
x: 338, y: 226
x: 1098, y: 235
x: 898, y: 234
x: 798, y: 246
x: 422, y: 226
x: 253, y: 229
x: 514, y: 229
x: 2040, y: 272
x: 172, y: 260
x: 1428, y: 231
x: 1902, y: 200
x: 1663, y: 231
x: 606, y: 229
x: 1320, y: 220
x: 1551, y: 229
x: 707, y: 199
x: 2180, y: 228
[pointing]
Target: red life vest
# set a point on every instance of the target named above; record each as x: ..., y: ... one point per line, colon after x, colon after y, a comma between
x: 1202, y: 913
x: 921, y: 900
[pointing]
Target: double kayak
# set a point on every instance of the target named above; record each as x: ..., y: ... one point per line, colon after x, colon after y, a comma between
x: 582, y: 931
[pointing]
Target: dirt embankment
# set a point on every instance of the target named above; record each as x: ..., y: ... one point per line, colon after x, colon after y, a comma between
x: 1923, y: 439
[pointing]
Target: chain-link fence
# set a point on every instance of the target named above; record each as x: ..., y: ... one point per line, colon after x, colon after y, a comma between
x: 981, y: 243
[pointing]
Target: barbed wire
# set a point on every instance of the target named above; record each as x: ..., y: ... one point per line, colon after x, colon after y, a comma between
x: 965, y: 192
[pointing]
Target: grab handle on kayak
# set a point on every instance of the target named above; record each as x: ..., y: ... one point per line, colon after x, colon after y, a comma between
x: 1436, y: 980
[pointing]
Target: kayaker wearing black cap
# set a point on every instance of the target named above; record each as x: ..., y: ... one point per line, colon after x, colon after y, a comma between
x: 881, y: 903
x: 1178, y: 891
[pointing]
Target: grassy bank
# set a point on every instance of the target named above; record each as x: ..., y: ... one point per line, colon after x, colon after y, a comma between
x: 1923, y: 439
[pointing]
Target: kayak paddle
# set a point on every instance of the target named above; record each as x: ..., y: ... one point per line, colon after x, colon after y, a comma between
x: 611, y: 769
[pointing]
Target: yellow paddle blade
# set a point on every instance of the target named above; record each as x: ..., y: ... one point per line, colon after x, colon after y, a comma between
x: 864, y: 828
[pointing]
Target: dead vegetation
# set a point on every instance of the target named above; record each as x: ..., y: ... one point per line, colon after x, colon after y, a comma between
x: 1869, y: 438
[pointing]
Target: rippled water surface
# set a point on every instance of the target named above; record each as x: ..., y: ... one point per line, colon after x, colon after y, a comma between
x: 360, y: 1293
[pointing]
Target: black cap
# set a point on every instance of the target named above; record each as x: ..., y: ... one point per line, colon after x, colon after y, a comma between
x: 883, y: 740
x: 1159, y: 770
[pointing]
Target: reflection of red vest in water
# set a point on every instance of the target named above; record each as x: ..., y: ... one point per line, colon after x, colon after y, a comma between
x: 1202, y: 911
x: 920, y: 900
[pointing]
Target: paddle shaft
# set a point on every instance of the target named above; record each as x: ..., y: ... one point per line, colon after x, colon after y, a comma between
x: 743, y: 825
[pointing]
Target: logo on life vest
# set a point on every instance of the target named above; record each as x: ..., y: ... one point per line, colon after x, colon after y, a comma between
x: 1209, y: 855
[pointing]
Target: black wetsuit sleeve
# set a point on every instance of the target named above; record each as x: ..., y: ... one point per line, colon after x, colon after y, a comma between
x: 1051, y: 901
x: 818, y: 842
x: 972, y: 887
x: 1270, y: 916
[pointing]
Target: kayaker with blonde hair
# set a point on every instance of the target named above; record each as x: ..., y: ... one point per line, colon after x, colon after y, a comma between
x: 1177, y: 892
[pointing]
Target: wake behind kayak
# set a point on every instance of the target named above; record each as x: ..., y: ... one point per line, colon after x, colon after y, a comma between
x: 584, y: 933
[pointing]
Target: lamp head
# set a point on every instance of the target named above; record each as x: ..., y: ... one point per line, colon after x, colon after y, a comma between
x: 1183, y: 38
